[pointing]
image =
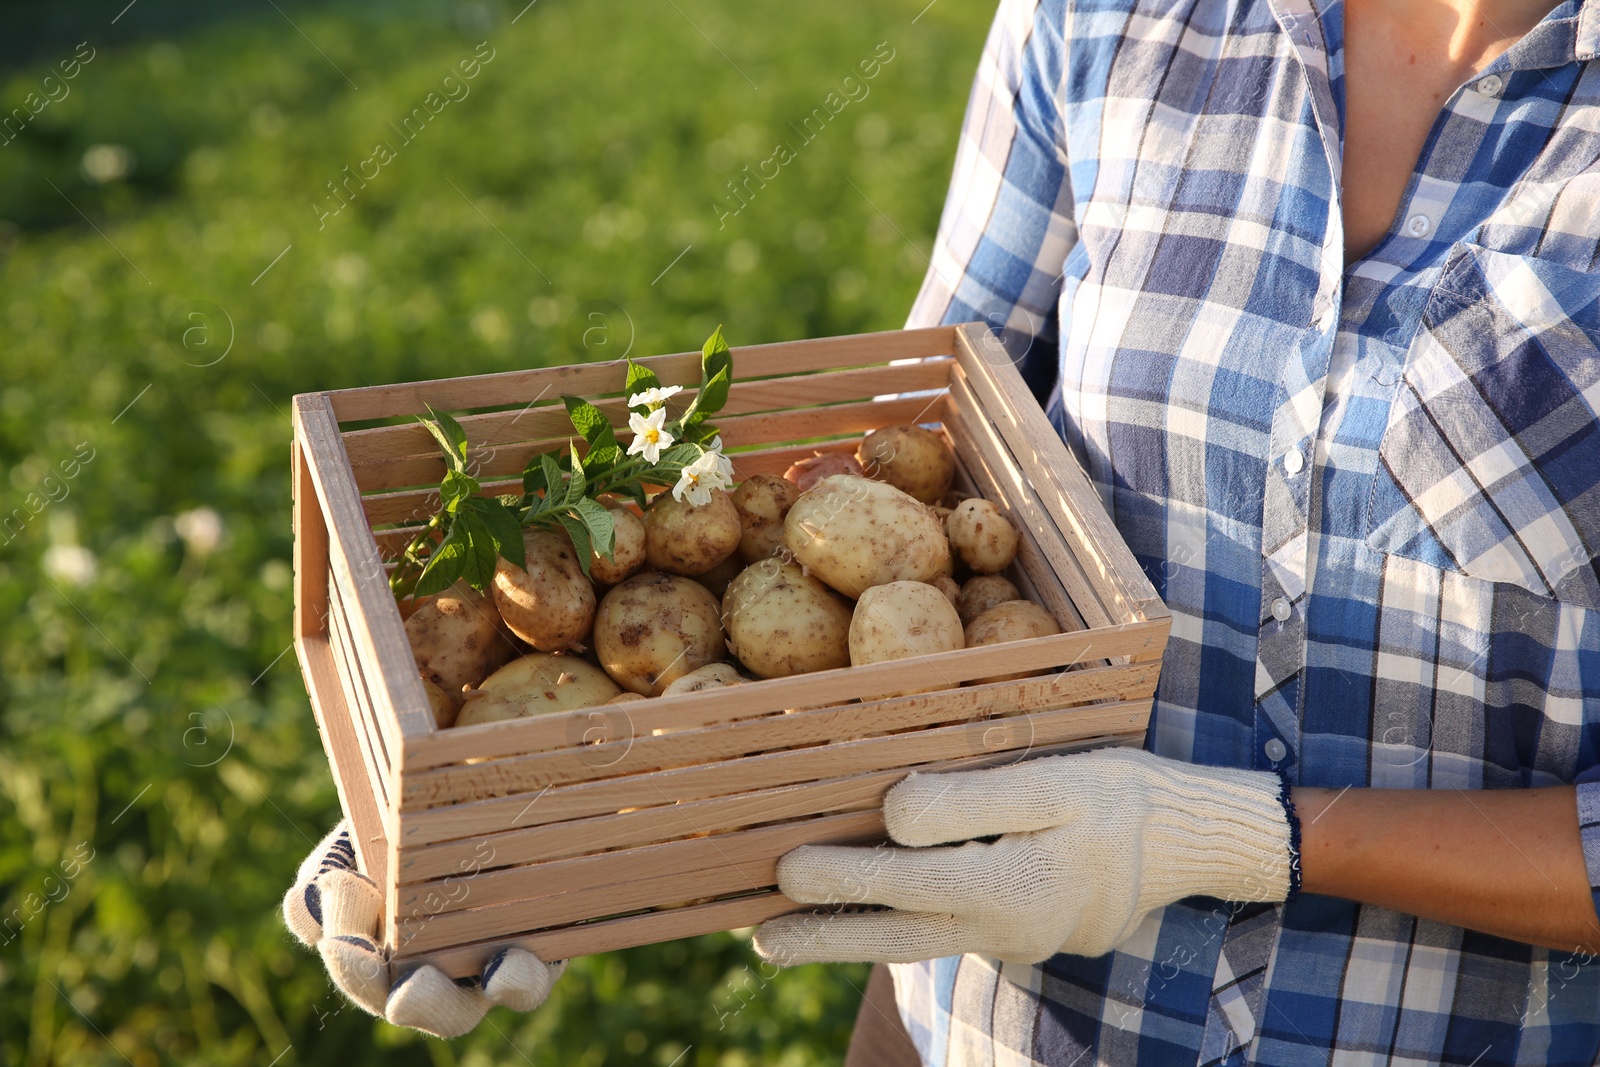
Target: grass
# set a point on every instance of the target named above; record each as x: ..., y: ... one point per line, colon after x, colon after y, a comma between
x: 168, y: 279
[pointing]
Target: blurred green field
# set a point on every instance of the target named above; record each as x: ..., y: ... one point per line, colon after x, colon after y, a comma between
x: 172, y: 270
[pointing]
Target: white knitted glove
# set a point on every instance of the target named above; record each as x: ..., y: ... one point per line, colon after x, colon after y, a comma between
x: 337, y: 909
x: 1092, y: 844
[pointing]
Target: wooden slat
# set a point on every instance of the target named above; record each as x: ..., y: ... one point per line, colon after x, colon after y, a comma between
x: 591, y: 887
x: 589, y: 379
x: 583, y: 939
x: 664, y: 822
x: 384, y: 743
x: 358, y: 799
x: 1064, y: 489
x: 738, y: 431
x: 373, y: 755
x: 823, y: 689
x: 999, y: 470
x: 379, y: 636
x: 549, y: 420
x: 638, y: 751
x: 777, y: 768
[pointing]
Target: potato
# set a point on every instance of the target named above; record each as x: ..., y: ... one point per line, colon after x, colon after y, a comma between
x: 983, y: 538
x: 902, y: 619
x: 762, y: 501
x: 549, y: 603
x: 655, y: 628
x: 982, y: 593
x: 780, y: 621
x: 1014, y: 620
x: 948, y: 586
x: 627, y: 549
x: 711, y: 676
x: 808, y: 472
x: 458, y: 639
x: 680, y: 538
x: 855, y: 533
x: 444, y: 709
x: 717, y: 578
x: 914, y: 460
x: 626, y: 697
x: 534, y: 684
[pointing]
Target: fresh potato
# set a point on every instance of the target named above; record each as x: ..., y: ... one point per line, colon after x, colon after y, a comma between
x: 914, y: 460
x: 458, y: 639
x: 711, y: 676
x: 808, y: 472
x: 1014, y: 620
x: 534, y: 684
x: 983, y: 538
x: 948, y: 586
x: 781, y: 621
x: 627, y: 549
x: 626, y: 697
x: 902, y: 619
x: 982, y: 593
x: 550, y: 603
x: 855, y: 533
x: 444, y: 709
x: 763, y: 500
x: 681, y: 538
x: 717, y: 578
x: 655, y: 628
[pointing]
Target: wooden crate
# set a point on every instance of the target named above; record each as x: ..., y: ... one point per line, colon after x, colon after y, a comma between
x: 576, y: 832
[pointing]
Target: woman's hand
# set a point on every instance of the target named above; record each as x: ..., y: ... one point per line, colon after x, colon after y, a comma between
x: 1091, y: 844
x: 335, y: 908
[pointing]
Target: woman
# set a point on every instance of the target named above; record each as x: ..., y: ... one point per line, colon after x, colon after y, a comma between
x: 1312, y: 294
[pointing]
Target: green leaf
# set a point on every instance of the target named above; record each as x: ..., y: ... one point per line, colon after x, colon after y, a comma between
x: 601, y: 525
x: 501, y: 522
x: 480, y: 556
x: 451, y: 437
x: 640, y: 379
x: 713, y: 394
x: 600, y: 460
x: 587, y: 419
x: 580, y: 538
x: 456, y: 487
x: 445, y: 565
x: 715, y: 359
x: 554, y: 481
x: 576, y: 483
x: 533, y: 477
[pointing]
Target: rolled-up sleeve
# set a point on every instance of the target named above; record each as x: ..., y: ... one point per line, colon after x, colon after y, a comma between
x: 1589, y: 827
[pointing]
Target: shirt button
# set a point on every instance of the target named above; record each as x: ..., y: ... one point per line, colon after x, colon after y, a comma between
x: 1419, y: 225
x: 1294, y: 461
x: 1282, y: 609
x: 1275, y: 750
x: 1490, y: 85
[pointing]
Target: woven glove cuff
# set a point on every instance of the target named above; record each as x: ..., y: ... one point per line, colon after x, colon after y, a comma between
x: 1219, y: 832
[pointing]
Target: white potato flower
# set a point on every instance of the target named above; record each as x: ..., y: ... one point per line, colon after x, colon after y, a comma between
x: 653, y: 398
x: 649, y: 435
x: 710, y: 472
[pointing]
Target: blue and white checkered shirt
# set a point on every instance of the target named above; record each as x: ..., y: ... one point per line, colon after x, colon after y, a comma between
x: 1370, y: 495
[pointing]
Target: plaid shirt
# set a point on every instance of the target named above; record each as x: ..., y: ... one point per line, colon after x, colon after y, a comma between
x: 1370, y: 495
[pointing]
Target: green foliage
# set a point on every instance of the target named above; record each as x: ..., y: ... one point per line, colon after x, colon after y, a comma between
x: 574, y: 206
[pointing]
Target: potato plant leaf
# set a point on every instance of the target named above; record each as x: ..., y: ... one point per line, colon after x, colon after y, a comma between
x: 600, y: 523
x: 456, y: 488
x: 503, y: 526
x: 481, y: 554
x: 640, y: 379
x: 451, y: 437
x: 445, y: 565
x: 580, y: 538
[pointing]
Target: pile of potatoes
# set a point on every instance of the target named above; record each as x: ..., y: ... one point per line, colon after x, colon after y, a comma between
x: 844, y: 560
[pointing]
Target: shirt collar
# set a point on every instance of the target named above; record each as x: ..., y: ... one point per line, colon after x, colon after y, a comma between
x: 1588, y: 42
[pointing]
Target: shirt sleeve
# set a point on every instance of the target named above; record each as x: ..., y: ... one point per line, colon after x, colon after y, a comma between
x: 1589, y: 827
x: 1007, y: 224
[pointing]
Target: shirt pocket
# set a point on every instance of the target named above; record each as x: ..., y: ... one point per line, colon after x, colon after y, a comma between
x: 1490, y: 461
